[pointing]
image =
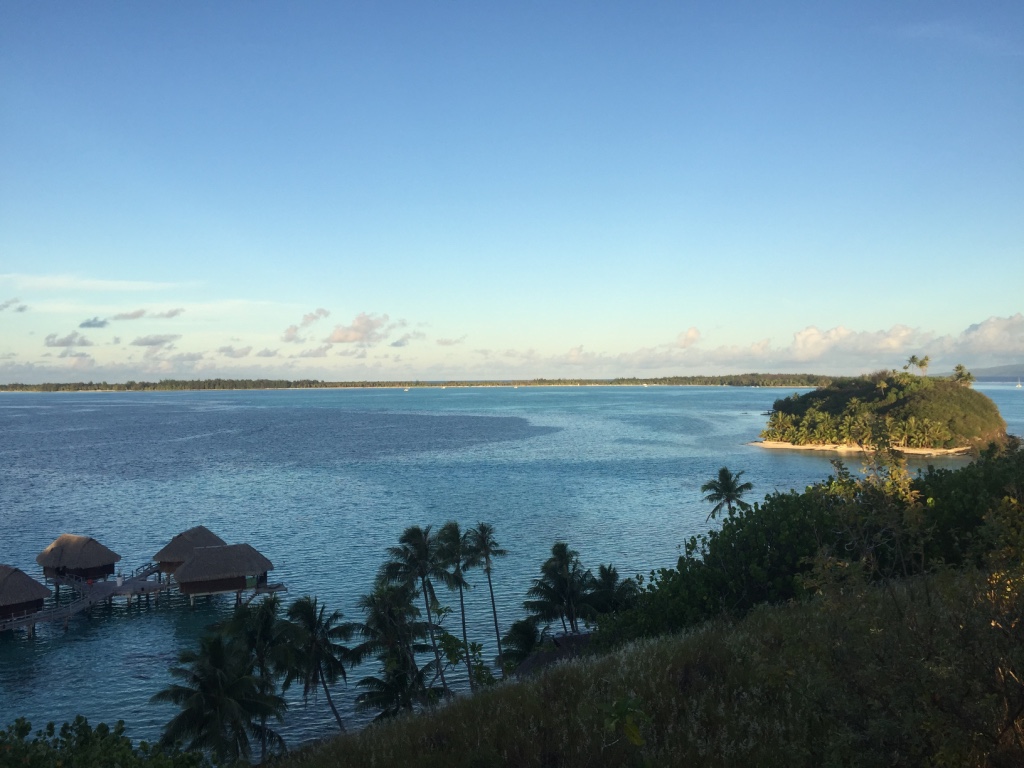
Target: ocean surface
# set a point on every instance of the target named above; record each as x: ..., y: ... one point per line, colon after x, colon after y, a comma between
x: 323, y: 481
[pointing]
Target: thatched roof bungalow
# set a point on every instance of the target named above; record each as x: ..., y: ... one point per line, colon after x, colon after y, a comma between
x: 183, y: 545
x: 19, y: 593
x: 81, y: 556
x: 230, y: 568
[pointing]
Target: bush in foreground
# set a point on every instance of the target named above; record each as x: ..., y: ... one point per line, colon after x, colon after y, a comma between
x: 79, y: 745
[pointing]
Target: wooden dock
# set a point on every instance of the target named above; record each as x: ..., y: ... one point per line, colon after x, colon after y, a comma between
x: 90, y: 593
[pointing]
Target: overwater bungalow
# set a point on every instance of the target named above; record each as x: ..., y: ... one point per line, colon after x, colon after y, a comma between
x: 20, y: 594
x: 181, y: 547
x: 81, y: 556
x: 228, y: 568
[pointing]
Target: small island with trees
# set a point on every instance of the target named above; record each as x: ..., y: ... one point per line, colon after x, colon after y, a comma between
x: 896, y: 410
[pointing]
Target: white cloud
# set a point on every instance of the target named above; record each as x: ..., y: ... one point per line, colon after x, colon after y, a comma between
x: 156, y: 340
x: 169, y: 313
x: 267, y: 353
x: 235, y: 353
x: 318, y: 352
x: 365, y: 329
x: 998, y: 336
x: 313, y: 316
x: 94, y: 322
x: 73, y: 339
x: 450, y: 342
x: 406, y: 338
x: 688, y: 338
x: 291, y: 335
x: 133, y: 315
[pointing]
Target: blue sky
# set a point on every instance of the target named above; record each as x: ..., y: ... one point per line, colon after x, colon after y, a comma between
x: 492, y: 190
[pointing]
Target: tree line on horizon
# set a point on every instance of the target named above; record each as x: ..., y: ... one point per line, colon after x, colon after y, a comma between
x: 731, y: 380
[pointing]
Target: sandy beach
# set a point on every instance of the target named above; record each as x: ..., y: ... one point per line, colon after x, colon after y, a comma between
x: 836, y: 448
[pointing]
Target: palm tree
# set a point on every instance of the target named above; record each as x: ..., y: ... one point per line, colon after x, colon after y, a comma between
x: 392, y: 633
x: 522, y: 639
x: 318, y: 647
x: 220, y: 701
x: 962, y: 375
x: 267, y: 640
x: 921, y: 363
x: 481, y: 540
x: 727, y: 491
x: 458, y: 556
x: 417, y: 561
x: 563, y: 589
x: 611, y: 593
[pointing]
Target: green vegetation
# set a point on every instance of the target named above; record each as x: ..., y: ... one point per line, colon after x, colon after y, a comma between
x: 868, y: 620
x: 79, y: 745
x: 172, y: 385
x: 726, y: 492
x: 889, y: 409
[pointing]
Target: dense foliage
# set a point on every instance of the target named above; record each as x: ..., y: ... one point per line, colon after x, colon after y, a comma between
x: 888, y: 409
x: 886, y: 524
x: 79, y: 745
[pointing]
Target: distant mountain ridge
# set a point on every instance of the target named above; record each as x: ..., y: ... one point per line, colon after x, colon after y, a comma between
x: 1000, y: 372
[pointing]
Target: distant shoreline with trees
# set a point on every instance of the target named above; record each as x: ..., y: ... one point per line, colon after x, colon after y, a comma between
x: 800, y: 380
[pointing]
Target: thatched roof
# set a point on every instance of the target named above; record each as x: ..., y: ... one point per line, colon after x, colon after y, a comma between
x: 227, y: 562
x: 181, y: 546
x: 18, y: 587
x: 71, y: 551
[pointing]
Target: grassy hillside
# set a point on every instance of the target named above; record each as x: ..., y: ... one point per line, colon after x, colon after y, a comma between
x: 867, y: 677
x: 863, y: 622
x: 888, y: 409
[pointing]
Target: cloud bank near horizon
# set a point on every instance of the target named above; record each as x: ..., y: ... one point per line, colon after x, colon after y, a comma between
x: 359, y: 350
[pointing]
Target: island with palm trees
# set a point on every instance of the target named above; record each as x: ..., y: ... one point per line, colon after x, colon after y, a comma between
x: 897, y: 410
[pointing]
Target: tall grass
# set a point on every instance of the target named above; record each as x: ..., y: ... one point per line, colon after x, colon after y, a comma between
x: 925, y: 672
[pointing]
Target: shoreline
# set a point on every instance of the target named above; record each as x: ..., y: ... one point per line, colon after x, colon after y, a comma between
x: 837, y: 448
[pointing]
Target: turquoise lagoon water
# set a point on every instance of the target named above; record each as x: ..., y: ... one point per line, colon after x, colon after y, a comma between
x: 323, y: 481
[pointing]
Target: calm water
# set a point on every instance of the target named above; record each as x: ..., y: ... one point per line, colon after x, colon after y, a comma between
x: 323, y: 481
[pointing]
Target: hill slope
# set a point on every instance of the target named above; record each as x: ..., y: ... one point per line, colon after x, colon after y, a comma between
x: 889, y: 408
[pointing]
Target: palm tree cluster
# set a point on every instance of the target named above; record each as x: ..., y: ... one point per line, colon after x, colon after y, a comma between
x: 232, y: 686
x: 888, y: 409
x: 569, y: 594
x: 423, y: 560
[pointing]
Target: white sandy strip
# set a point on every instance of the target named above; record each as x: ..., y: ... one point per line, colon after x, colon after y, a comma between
x: 835, y: 448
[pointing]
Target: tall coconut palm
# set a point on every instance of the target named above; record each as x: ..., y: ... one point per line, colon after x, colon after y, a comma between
x: 563, y: 589
x: 726, y: 492
x: 267, y: 641
x: 416, y: 561
x: 220, y: 701
x: 486, y: 549
x: 392, y: 633
x: 319, y: 653
x: 457, y: 556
